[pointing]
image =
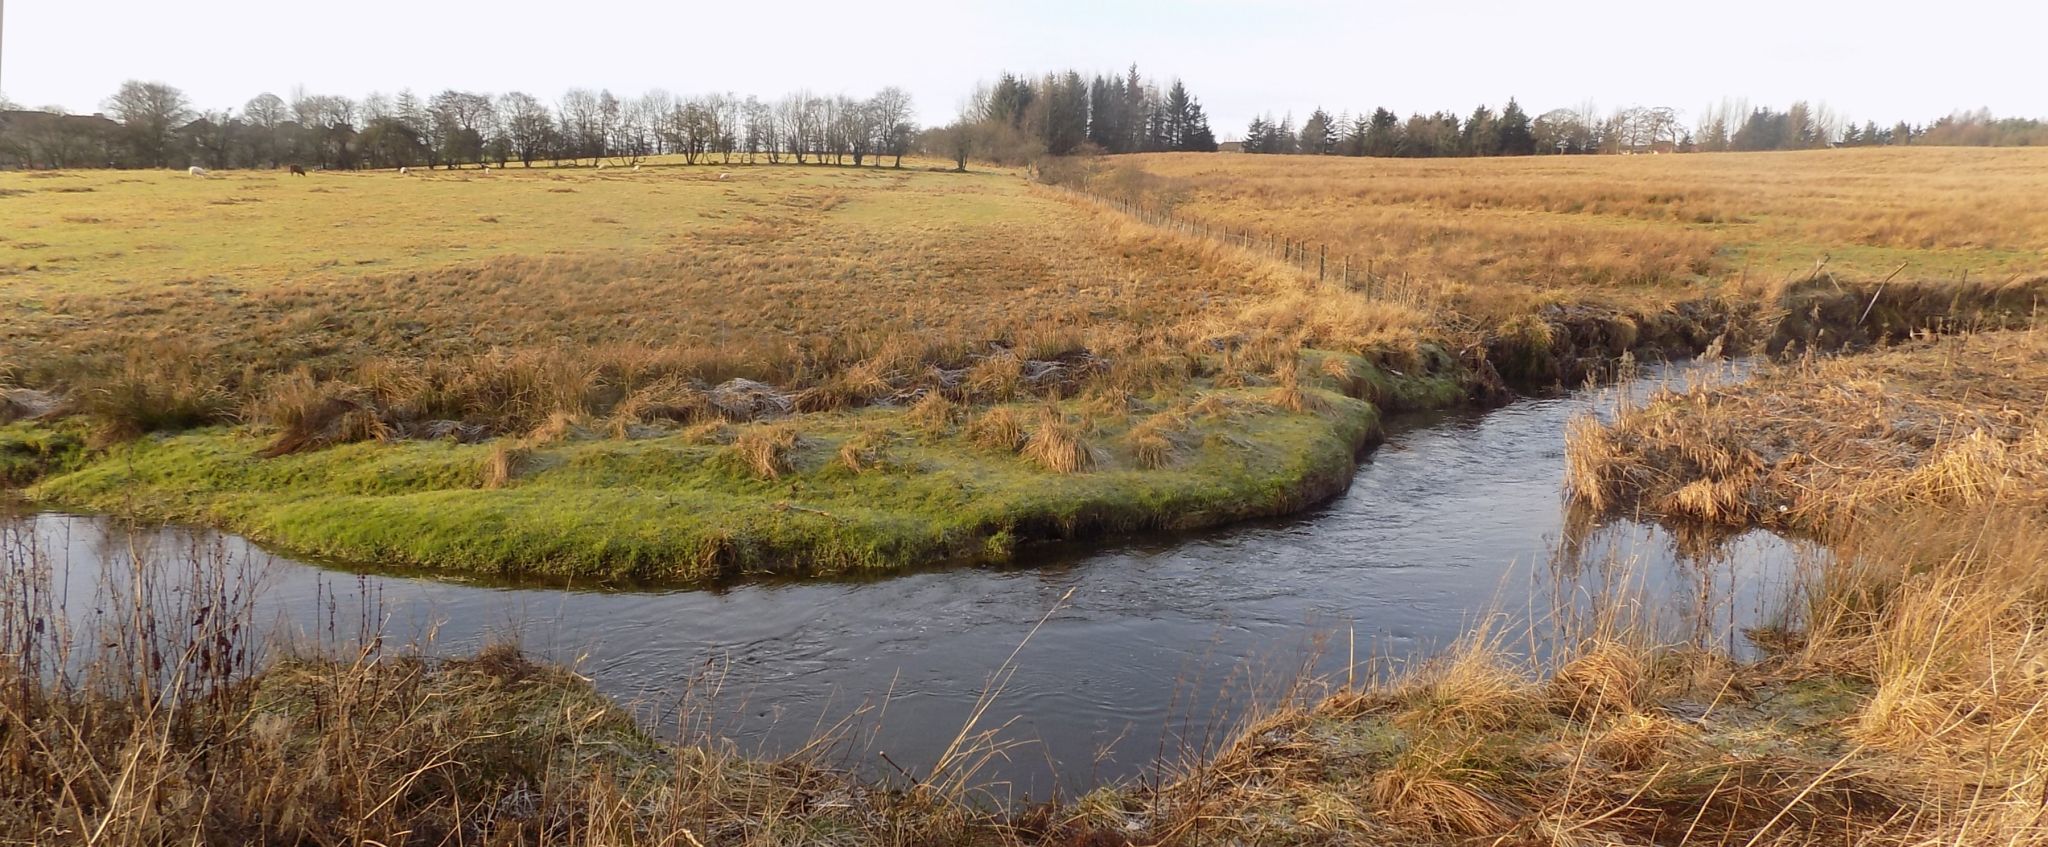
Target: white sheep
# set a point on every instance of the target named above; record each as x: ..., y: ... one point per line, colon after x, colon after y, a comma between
x: 404, y: 171
x: 636, y: 168
x: 600, y: 166
x: 724, y: 176
x: 196, y: 170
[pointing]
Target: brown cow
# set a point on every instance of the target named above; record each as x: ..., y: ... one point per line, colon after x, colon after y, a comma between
x: 298, y: 170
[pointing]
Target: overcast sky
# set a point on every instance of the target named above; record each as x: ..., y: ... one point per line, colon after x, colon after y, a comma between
x: 1878, y: 60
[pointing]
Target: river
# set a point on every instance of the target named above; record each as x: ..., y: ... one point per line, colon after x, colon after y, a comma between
x: 1108, y: 658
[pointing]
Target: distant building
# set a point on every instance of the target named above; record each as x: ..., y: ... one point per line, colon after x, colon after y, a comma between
x: 1230, y: 147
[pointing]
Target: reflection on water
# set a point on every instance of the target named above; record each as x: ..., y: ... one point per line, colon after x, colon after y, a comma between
x: 1149, y: 648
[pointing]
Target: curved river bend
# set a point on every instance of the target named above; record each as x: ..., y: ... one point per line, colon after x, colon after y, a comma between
x: 1149, y: 648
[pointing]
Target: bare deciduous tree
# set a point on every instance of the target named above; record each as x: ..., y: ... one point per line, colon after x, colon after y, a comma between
x: 149, y: 112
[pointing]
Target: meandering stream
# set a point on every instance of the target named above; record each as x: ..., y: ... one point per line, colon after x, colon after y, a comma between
x: 1148, y: 647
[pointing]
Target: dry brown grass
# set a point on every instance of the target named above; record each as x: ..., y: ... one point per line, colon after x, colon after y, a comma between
x: 764, y: 450
x: 1490, y: 236
x: 160, y: 716
x: 997, y: 429
x: 1056, y: 444
x: 1900, y: 703
x: 1154, y: 441
x: 975, y: 286
x: 1817, y: 444
x: 866, y: 451
x: 933, y: 414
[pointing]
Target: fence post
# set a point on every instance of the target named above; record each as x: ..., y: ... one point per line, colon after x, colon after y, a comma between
x: 1322, y: 263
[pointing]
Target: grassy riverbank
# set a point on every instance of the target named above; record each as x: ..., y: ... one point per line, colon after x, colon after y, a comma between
x: 830, y: 493
x: 666, y: 375
x: 1898, y: 701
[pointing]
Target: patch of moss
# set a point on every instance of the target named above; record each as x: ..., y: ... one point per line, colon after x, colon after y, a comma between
x: 30, y: 451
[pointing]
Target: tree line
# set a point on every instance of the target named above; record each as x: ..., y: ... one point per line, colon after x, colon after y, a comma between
x: 151, y: 124
x: 1511, y: 131
x: 1064, y: 114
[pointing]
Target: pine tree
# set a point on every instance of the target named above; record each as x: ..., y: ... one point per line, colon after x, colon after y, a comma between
x: 1383, y: 137
x: 1317, y: 137
x: 1482, y: 133
x: 1355, y: 136
x: 1516, y: 136
x: 1284, y: 140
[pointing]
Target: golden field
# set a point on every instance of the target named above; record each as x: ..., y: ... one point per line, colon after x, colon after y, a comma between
x: 1493, y: 235
x: 817, y: 357
x: 536, y: 372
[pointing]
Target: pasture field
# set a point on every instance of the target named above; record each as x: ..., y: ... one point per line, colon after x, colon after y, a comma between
x: 839, y: 368
x: 695, y: 373
x: 664, y: 375
x: 1493, y: 236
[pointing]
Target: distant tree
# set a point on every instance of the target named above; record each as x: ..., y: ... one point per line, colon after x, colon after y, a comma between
x: 213, y: 137
x: 462, y: 122
x: 1383, y: 134
x: 266, y: 115
x: 392, y: 142
x: 1801, y: 131
x: 891, y: 109
x: 957, y: 141
x: 1561, y: 131
x: 1009, y: 102
x: 528, y: 128
x: 1482, y: 133
x: 1516, y: 136
x: 1318, y: 137
x: 1258, y: 136
x: 149, y: 112
x: 1187, y: 126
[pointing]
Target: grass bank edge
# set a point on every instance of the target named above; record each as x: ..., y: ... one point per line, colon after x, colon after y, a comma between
x: 687, y: 508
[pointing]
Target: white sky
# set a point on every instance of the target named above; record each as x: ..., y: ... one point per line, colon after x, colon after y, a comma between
x: 1880, y: 60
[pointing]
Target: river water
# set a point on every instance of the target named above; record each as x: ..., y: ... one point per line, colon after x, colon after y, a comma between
x: 1088, y: 662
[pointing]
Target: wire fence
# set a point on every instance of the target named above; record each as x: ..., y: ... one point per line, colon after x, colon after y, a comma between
x: 1311, y: 258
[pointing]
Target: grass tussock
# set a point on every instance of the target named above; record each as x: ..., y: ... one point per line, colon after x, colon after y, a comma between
x: 867, y: 450
x: 997, y: 429
x: 934, y: 415
x: 766, y: 451
x: 502, y: 465
x: 1056, y: 444
x: 1155, y: 441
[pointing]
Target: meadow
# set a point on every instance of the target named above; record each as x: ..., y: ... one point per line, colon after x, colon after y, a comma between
x: 1493, y: 237
x: 834, y: 369
x: 837, y: 369
x: 662, y: 374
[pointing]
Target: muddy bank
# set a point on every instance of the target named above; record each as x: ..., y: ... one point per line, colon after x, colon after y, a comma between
x: 1563, y: 345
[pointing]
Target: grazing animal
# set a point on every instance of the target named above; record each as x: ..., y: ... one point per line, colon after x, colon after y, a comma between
x: 725, y: 176
x: 636, y: 168
x: 196, y: 170
x: 298, y: 170
x: 600, y: 166
x: 404, y: 171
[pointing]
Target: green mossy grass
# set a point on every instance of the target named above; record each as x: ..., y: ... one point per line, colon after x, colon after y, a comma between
x: 668, y: 509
